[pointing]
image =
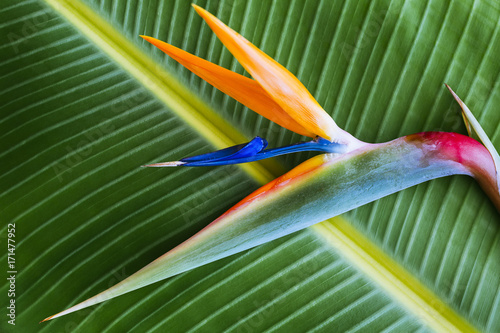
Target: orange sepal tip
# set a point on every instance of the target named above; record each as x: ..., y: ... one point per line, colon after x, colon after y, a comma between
x: 281, y: 85
x: 243, y: 89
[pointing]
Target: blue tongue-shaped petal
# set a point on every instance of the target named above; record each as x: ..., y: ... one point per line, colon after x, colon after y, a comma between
x: 253, y: 151
x: 238, y: 152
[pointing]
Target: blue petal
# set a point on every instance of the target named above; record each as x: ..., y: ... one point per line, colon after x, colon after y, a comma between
x: 235, y: 152
x: 255, y: 150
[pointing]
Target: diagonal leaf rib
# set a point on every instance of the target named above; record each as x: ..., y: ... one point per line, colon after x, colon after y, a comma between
x: 162, y: 84
x: 392, y: 277
x: 132, y: 60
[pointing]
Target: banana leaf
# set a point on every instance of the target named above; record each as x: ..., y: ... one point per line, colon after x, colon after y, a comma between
x: 85, y: 102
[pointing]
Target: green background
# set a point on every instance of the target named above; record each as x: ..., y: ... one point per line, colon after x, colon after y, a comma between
x: 75, y: 127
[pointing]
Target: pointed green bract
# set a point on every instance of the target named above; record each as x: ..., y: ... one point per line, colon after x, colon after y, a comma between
x: 320, y: 188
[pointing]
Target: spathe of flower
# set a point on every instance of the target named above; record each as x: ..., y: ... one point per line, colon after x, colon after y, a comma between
x: 320, y: 188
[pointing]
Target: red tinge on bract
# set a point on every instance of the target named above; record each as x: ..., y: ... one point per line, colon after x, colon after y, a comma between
x: 476, y: 131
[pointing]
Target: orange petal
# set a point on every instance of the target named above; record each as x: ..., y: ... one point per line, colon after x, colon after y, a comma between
x: 244, y: 90
x: 281, y: 85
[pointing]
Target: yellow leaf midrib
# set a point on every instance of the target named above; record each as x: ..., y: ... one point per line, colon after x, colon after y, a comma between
x: 349, y: 242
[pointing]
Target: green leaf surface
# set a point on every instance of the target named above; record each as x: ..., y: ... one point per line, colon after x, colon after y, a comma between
x: 76, y: 124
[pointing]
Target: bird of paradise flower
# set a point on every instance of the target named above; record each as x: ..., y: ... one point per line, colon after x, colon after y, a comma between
x: 348, y: 174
